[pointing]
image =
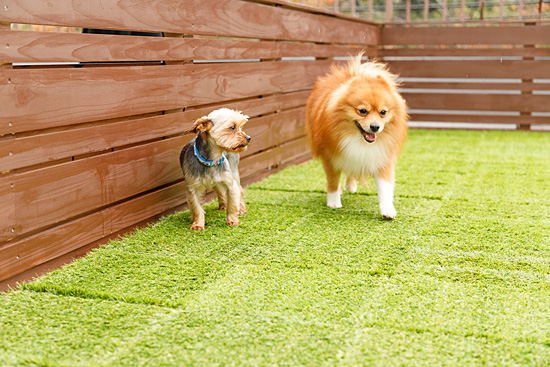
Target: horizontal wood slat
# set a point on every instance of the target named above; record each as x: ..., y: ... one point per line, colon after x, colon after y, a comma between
x: 526, y: 69
x: 207, y: 17
x: 50, y: 195
x: 506, y: 35
x: 478, y: 102
x: 27, y: 47
x: 43, y: 98
x: 472, y: 118
x: 489, y: 87
x: 449, y: 52
x: 52, y: 243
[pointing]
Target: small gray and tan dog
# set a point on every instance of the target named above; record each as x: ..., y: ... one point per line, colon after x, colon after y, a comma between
x: 211, y: 161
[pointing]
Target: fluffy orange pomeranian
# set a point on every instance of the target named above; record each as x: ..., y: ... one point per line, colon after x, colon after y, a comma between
x: 356, y: 124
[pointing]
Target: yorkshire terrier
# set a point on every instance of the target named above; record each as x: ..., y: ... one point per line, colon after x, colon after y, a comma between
x: 211, y: 160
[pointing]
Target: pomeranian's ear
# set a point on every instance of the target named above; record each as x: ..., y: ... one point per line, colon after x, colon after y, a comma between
x: 383, y: 79
x: 203, y: 124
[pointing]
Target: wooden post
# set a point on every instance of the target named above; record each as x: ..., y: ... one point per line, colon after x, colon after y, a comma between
x: 481, y: 6
x: 426, y: 9
x: 501, y: 10
x: 389, y: 10
x: 336, y: 6
x: 462, y: 10
x: 444, y: 10
x: 408, y: 12
x: 526, y: 127
x: 353, y: 7
x: 371, y: 10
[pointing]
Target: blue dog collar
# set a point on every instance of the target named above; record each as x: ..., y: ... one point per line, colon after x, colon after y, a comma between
x: 205, y: 161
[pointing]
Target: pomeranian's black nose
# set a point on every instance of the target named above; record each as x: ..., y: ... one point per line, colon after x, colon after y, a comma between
x: 374, y: 127
x: 248, y: 138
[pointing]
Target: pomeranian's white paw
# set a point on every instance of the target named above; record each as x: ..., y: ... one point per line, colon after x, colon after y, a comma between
x: 333, y: 199
x: 388, y: 211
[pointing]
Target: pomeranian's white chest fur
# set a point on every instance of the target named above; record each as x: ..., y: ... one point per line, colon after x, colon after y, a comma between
x: 361, y: 159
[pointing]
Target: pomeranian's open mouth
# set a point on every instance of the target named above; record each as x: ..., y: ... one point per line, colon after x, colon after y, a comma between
x: 369, y: 137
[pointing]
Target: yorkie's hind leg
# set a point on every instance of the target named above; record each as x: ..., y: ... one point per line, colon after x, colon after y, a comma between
x: 221, y: 191
x: 233, y: 204
x: 242, y: 206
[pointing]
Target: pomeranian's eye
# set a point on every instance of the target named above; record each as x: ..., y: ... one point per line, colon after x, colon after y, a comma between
x: 383, y: 113
x: 363, y: 112
x: 233, y: 127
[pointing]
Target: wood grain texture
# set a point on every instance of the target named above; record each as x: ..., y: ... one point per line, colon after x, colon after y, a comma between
x: 34, y: 99
x: 503, y: 35
x: 208, y: 17
x: 27, y: 47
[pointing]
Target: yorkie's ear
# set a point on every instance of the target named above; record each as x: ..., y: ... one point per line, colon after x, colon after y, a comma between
x: 203, y: 124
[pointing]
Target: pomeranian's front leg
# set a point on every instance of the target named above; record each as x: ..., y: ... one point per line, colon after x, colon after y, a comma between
x: 385, y: 184
x: 333, y: 185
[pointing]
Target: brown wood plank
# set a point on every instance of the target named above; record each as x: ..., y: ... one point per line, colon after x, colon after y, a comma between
x: 7, y: 214
x: 526, y: 69
x: 524, y: 86
x: 42, y: 98
x: 275, y: 156
x: 275, y: 129
x: 208, y: 17
x: 529, y: 120
x: 27, y: 46
x: 26, y: 253
x: 54, y: 194
x: 507, y: 35
x: 478, y: 102
x: 36, y: 149
x: 465, y: 52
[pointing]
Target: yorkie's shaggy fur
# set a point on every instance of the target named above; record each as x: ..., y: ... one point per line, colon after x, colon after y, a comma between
x: 211, y: 160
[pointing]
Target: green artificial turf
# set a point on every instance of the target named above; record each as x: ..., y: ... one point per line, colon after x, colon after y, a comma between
x: 460, y: 278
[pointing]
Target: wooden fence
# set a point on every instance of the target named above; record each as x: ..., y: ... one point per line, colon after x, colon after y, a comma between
x: 89, y: 145
x: 91, y: 124
x: 468, y: 76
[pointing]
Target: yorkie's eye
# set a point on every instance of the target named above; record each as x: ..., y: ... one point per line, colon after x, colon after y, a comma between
x: 233, y: 127
x: 383, y: 113
x: 363, y: 112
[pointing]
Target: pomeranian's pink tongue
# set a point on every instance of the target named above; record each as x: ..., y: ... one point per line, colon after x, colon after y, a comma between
x: 371, y: 136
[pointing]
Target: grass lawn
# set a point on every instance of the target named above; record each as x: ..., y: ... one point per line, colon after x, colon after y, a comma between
x: 460, y: 277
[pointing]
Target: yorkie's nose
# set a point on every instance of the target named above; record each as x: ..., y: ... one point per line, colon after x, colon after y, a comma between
x: 248, y: 138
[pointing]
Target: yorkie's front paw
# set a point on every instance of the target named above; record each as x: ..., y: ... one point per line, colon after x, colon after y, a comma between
x: 232, y: 222
x: 197, y: 227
